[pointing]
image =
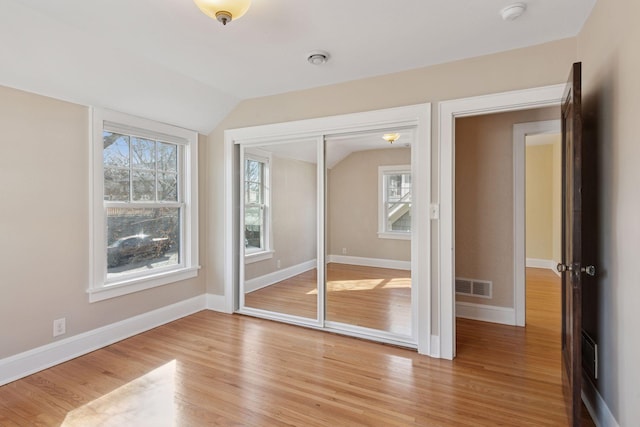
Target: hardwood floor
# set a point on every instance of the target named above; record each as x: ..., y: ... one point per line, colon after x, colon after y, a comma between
x: 230, y: 370
x: 376, y: 298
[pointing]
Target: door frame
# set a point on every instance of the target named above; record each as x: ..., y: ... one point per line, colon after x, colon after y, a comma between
x: 448, y: 111
x: 416, y: 116
x: 520, y: 133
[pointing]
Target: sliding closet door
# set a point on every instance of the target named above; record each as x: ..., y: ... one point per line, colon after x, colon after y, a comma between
x: 368, y: 233
x: 279, y: 217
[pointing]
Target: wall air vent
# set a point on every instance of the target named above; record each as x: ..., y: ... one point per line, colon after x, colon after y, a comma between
x: 474, y: 288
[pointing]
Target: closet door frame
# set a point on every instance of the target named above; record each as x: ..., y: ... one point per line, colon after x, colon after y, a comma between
x: 413, y: 116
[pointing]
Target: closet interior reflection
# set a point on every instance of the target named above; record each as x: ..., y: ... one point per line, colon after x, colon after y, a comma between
x: 326, y: 232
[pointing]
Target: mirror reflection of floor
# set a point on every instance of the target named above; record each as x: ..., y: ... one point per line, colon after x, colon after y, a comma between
x: 371, y: 297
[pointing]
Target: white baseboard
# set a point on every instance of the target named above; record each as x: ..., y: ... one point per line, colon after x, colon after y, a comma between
x: 46, y: 356
x: 486, y: 313
x: 370, y: 262
x: 543, y: 263
x: 597, y: 407
x: 278, y: 276
x: 216, y: 303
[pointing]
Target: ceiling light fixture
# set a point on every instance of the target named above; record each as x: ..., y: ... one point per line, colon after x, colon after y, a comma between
x: 513, y: 11
x: 318, y: 57
x: 391, y: 137
x: 224, y: 10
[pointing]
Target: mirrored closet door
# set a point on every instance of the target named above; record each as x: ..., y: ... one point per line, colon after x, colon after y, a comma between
x: 279, y: 229
x: 368, y: 232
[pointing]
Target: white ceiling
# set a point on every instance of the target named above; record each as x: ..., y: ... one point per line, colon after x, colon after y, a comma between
x: 165, y: 60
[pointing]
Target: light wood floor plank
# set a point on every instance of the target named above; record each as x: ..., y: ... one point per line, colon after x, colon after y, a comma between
x: 371, y: 297
x: 214, y: 369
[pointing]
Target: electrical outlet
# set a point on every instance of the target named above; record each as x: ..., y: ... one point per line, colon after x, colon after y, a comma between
x: 278, y: 264
x: 59, y: 327
x: 344, y: 251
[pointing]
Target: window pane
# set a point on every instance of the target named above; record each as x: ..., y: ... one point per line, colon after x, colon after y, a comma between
x: 399, y: 217
x: 144, y: 186
x: 143, y: 153
x: 167, y: 187
x: 253, y: 171
x: 167, y: 157
x: 142, y: 239
x: 116, y: 184
x: 116, y: 149
x: 253, y: 225
x: 253, y: 193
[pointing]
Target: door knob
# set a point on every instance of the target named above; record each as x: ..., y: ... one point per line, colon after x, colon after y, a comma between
x: 564, y: 267
x: 589, y: 269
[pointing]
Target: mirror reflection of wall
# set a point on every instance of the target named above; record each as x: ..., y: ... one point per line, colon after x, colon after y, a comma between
x: 280, y: 228
x: 369, y: 232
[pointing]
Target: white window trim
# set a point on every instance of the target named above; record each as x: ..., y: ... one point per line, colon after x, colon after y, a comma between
x: 266, y: 158
x: 383, y: 233
x: 99, y: 288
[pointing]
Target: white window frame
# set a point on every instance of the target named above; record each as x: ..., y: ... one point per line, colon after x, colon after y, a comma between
x: 99, y: 287
x: 383, y: 171
x: 265, y: 158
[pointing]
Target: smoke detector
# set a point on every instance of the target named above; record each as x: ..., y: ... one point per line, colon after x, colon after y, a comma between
x: 513, y: 11
x: 318, y: 57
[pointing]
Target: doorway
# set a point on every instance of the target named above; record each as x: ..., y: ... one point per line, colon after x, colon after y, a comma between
x: 490, y: 169
x: 450, y: 111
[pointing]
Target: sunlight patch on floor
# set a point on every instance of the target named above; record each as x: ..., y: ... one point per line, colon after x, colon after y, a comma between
x: 364, y: 285
x: 145, y: 401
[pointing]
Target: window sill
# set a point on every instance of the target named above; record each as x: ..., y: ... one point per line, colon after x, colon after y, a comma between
x: 395, y: 236
x: 137, y: 284
x: 257, y: 256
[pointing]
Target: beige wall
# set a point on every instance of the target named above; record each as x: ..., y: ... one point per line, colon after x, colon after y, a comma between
x: 484, y: 200
x: 556, y: 202
x: 352, y: 193
x: 294, y: 216
x: 44, y: 257
x: 608, y: 49
x: 543, y: 185
x: 516, y: 69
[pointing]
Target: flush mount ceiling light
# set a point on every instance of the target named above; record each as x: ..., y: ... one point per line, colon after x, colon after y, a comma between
x: 391, y: 137
x: 513, y: 11
x: 224, y: 10
x: 318, y: 57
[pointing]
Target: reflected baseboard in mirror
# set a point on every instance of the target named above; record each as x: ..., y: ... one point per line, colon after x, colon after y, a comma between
x: 370, y: 297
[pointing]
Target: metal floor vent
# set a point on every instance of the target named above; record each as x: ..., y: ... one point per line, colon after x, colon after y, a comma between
x: 474, y: 288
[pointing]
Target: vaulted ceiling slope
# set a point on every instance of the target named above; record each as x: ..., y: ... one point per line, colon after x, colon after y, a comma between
x: 165, y: 60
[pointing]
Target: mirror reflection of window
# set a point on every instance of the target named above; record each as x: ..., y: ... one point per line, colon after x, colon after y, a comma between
x: 255, y: 203
x: 395, y: 201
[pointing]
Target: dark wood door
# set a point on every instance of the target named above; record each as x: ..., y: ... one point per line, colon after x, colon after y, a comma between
x: 572, y: 231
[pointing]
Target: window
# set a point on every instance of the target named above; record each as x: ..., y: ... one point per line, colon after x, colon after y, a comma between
x: 144, y: 204
x: 394, y: 217
x: 257, y: 225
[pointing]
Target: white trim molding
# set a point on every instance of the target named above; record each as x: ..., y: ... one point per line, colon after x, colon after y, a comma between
x: 549, y: 264
x: 596, y: 406
x: 520, y: 133
x: 486, y: 313
x: 278, y: 276
x: 216, y: 303
x: 46, y: 356
x: 370, y: 262
x: 448, y: 112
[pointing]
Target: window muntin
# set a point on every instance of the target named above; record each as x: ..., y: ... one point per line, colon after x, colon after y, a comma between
x: 141, y: 238
x: 395, y: 202
x: 145, y: 204
x: 256, y: 204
